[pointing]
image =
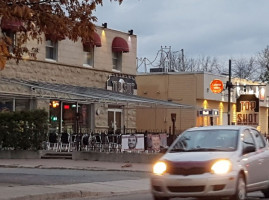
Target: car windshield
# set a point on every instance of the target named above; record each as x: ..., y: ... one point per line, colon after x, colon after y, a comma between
x: 206, y: 140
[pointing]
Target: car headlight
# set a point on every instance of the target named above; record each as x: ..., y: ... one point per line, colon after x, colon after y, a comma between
x: 221, y: 167
x: 159, y: 168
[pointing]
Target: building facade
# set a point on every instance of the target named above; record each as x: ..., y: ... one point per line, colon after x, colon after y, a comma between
x: 64, y: 70
x: 209, y: 108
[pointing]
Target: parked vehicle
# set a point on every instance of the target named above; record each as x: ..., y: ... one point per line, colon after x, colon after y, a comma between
x: 215, y: 161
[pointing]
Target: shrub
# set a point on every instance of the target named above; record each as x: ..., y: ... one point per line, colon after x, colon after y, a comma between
x: 25, y: 130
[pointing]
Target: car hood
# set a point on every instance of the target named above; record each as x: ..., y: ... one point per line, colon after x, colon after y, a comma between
x: 197, y: 156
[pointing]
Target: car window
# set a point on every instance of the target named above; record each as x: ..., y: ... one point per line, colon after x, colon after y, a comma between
x: 207, y: 140
x: 259, y: 139
x: 247, y: 139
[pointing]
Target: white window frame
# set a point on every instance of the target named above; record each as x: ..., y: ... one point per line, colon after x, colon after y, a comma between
x: 54, y: 48
x: 89, y: 58
x: 114, y: 111
x: 117, y: 61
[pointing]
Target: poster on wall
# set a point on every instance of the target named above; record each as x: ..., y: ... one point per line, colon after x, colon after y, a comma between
x: 247, y: 110
x: 156, y: 141
x: 132, y: 142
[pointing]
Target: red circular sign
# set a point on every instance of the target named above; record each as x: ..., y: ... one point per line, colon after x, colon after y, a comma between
x: 216, y: 86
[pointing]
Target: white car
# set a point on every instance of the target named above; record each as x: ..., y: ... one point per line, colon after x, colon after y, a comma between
x: 215, y: 161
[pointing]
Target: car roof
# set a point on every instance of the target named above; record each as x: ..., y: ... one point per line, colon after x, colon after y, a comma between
x: 231, y: 127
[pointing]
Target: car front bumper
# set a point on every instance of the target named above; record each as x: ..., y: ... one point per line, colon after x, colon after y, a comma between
x: 194, y: 185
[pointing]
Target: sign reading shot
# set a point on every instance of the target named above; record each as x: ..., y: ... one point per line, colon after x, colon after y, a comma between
x: 247, y: 108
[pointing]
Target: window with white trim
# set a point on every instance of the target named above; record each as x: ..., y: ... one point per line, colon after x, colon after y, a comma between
x: 51, y: 50
x: 117, y: 60
x: 89, y: 56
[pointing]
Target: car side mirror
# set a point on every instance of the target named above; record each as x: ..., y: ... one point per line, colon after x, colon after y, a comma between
x: 249, y: 149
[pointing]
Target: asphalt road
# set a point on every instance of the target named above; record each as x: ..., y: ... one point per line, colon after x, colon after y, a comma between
x: 27, y: 176
x: 148, y: 196
x: 30, y: 176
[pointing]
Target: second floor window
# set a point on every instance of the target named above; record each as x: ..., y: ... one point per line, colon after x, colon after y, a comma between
x: 51, y: 50
x: 117, y: 60
x: 89, y: 55
x: 12, y: 36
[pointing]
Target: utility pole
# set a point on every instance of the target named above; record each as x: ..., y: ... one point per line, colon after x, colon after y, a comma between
x: 229, y: 84
x: 183, y: 64
x: 145, y: 64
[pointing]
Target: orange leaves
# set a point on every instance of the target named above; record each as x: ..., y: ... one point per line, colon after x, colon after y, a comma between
x: 3, y: 54
x: 57, y: 19
x: 2, y: 62
x: 22, y: 12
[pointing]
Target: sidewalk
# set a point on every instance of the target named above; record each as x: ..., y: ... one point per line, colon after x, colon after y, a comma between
x: 41, y: 192
x: 74, y: 164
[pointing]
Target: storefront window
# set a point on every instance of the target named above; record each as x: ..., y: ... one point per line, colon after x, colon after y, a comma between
x: 55, y: 115
x: 69, y: 117
x: 9, y: 105
x: 73, y: 122
x: 22, y: 104
x: 6, y: 105
x: 75, y: 117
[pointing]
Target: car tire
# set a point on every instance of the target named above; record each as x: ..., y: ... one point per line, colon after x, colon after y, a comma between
x: 160, y: 198
x: 266, y: 193
x: 241, y: 192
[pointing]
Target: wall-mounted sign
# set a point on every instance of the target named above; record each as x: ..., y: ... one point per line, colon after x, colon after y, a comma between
x: 208, y: 112
x: 122, y: 84
x: 216, y: 86
x: 247, y: 108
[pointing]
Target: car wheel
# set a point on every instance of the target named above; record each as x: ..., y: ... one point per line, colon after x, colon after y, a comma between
x: 160, y: 198
x: 266, y: 193
x: 241, y: 192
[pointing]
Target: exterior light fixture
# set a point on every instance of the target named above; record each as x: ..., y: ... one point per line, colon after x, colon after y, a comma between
x: 131, y: 32
x: 104, y: 25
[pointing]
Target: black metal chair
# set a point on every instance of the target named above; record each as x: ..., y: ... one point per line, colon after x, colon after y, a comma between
x: 65, y: 144
x: 53, y: 142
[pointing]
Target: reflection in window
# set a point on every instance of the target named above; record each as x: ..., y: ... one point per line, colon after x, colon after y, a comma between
x: 22, y: 104
x: 89, y: 55
x: 12, y: 36
x: 51, y: 50
x: 259, y: 138
x: 247, y: 139
x: 117, y: 60
x: 6, y: 105
x: 225, y: 140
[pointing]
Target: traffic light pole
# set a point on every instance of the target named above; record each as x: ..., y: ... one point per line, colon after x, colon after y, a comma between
x: 229, y: 92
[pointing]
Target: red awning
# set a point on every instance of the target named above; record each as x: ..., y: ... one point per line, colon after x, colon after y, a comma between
x: 11, y: 25
x: 96, y: 41
x: 120, y: 45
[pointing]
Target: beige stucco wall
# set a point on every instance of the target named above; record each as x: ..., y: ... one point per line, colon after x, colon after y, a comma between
x: 71, y: 53
x: 191, y: 89
x: 68, y: 69
x: 263, y: 119
x: 63, y: 74
x: 166, y: 87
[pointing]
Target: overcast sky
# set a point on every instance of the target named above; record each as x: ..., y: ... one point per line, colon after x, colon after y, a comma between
x: 215, y: 28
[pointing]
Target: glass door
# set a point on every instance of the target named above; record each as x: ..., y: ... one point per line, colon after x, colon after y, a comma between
x: 115, y: 120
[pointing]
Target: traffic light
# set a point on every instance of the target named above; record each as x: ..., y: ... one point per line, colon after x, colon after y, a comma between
x: 54, y: 118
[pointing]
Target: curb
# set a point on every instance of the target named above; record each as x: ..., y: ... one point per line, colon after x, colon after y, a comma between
x: 72, y: 168
x: 73, y: 194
